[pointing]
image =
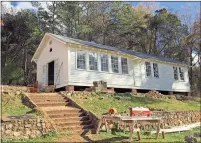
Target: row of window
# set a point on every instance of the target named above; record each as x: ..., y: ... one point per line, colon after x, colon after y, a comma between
x: 156, y: 71
x: 104, y: 59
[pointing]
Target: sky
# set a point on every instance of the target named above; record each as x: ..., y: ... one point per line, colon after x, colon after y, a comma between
x: 174, y: 7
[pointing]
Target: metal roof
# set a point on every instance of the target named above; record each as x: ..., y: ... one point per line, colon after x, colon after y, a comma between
x: 110, y: 48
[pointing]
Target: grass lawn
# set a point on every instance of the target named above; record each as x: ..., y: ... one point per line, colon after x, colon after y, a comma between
x: 49, y: 137
x: 111, y: 137
x: 119, y: 136
x: 100, y: 104
x: 12, y: 105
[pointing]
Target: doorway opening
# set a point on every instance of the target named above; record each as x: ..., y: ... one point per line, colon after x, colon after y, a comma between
x: 51, y: 73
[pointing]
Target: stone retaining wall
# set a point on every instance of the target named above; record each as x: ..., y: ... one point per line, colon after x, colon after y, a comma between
x: 19, y: 127
x: 178, y: 118
x: 13, y: 90
x: 169, y: 118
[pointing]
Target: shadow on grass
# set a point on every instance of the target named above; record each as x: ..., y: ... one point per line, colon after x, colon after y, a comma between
x: 113, y: 139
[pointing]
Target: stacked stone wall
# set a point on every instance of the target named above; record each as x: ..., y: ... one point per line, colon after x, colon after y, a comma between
x: 19, y: 127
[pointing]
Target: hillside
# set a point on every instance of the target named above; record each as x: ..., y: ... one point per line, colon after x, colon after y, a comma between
x: 100, y: 103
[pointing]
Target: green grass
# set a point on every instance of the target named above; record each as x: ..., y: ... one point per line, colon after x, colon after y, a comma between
x: 100, y: 104
x: 119, y: 137
x: 49, y: 137
x: 12, y: 105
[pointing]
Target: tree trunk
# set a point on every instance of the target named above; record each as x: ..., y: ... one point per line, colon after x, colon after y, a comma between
x: 53, y: 15
x: 191, y: 66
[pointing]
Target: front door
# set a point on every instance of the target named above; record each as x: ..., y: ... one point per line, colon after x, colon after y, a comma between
x: 51, y: 73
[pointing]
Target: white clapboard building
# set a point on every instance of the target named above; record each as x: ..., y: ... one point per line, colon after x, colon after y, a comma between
x: 72, y: 63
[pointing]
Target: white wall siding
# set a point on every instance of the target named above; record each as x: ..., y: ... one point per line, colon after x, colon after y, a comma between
x: 59, y: 54
x: 136, y: 78
x: 86, y: 77
x: 137, y: 66
x: 165, y: 81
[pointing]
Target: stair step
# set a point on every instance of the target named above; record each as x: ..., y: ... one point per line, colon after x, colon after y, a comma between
x: 82, y: 118
x: 78, y: 132
x: 75, y: 127
x: 64, y: 111
x: 48, y: 100
x: 67, y: 115
x: 44, y: 94
x: 47, y: 97
x: 52, y: 104
x: 73, y: 123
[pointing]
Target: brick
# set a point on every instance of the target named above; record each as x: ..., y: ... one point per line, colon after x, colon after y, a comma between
x: 70, y: 88
x: 110, y: 90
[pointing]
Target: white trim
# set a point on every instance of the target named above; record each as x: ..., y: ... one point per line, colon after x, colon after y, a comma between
x: 145, y: 67
x: 89, y: 60
x: 37, y: 50
x: 76, y: 59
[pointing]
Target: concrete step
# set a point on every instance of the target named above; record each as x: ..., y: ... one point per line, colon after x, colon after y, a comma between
x: 63, y: 120
x: 64, y: 111
x: 73, y: 123
x: 46, y: 104
x: 66, y: 115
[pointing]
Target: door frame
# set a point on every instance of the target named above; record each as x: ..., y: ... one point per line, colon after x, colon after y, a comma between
x: 48, y: 71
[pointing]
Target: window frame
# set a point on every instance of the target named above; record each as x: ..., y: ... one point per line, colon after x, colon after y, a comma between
x: 156, y: 71
x: 147, y: 69
x: 181, y: 71
x: 125, y: 66
x: 175, y: 71
x: 106, y: 62
x: 94, y: 62
x: 116, y: 63
x: 85, y: 60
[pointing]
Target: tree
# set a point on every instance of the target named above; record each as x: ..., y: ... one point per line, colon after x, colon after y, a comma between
x: 18, y: 35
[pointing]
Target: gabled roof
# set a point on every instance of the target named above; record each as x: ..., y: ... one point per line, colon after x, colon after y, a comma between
x: 110, y: 48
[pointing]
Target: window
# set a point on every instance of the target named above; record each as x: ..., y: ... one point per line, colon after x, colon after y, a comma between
x: 114, y: 62
x: 124, y: 65
x: 155, y: 68
x: 148, y: 68
x: 81, y: 60
x: 104, y: 62
x: 175, y: 73
x: 181, y: 73
x: 93, y: 58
